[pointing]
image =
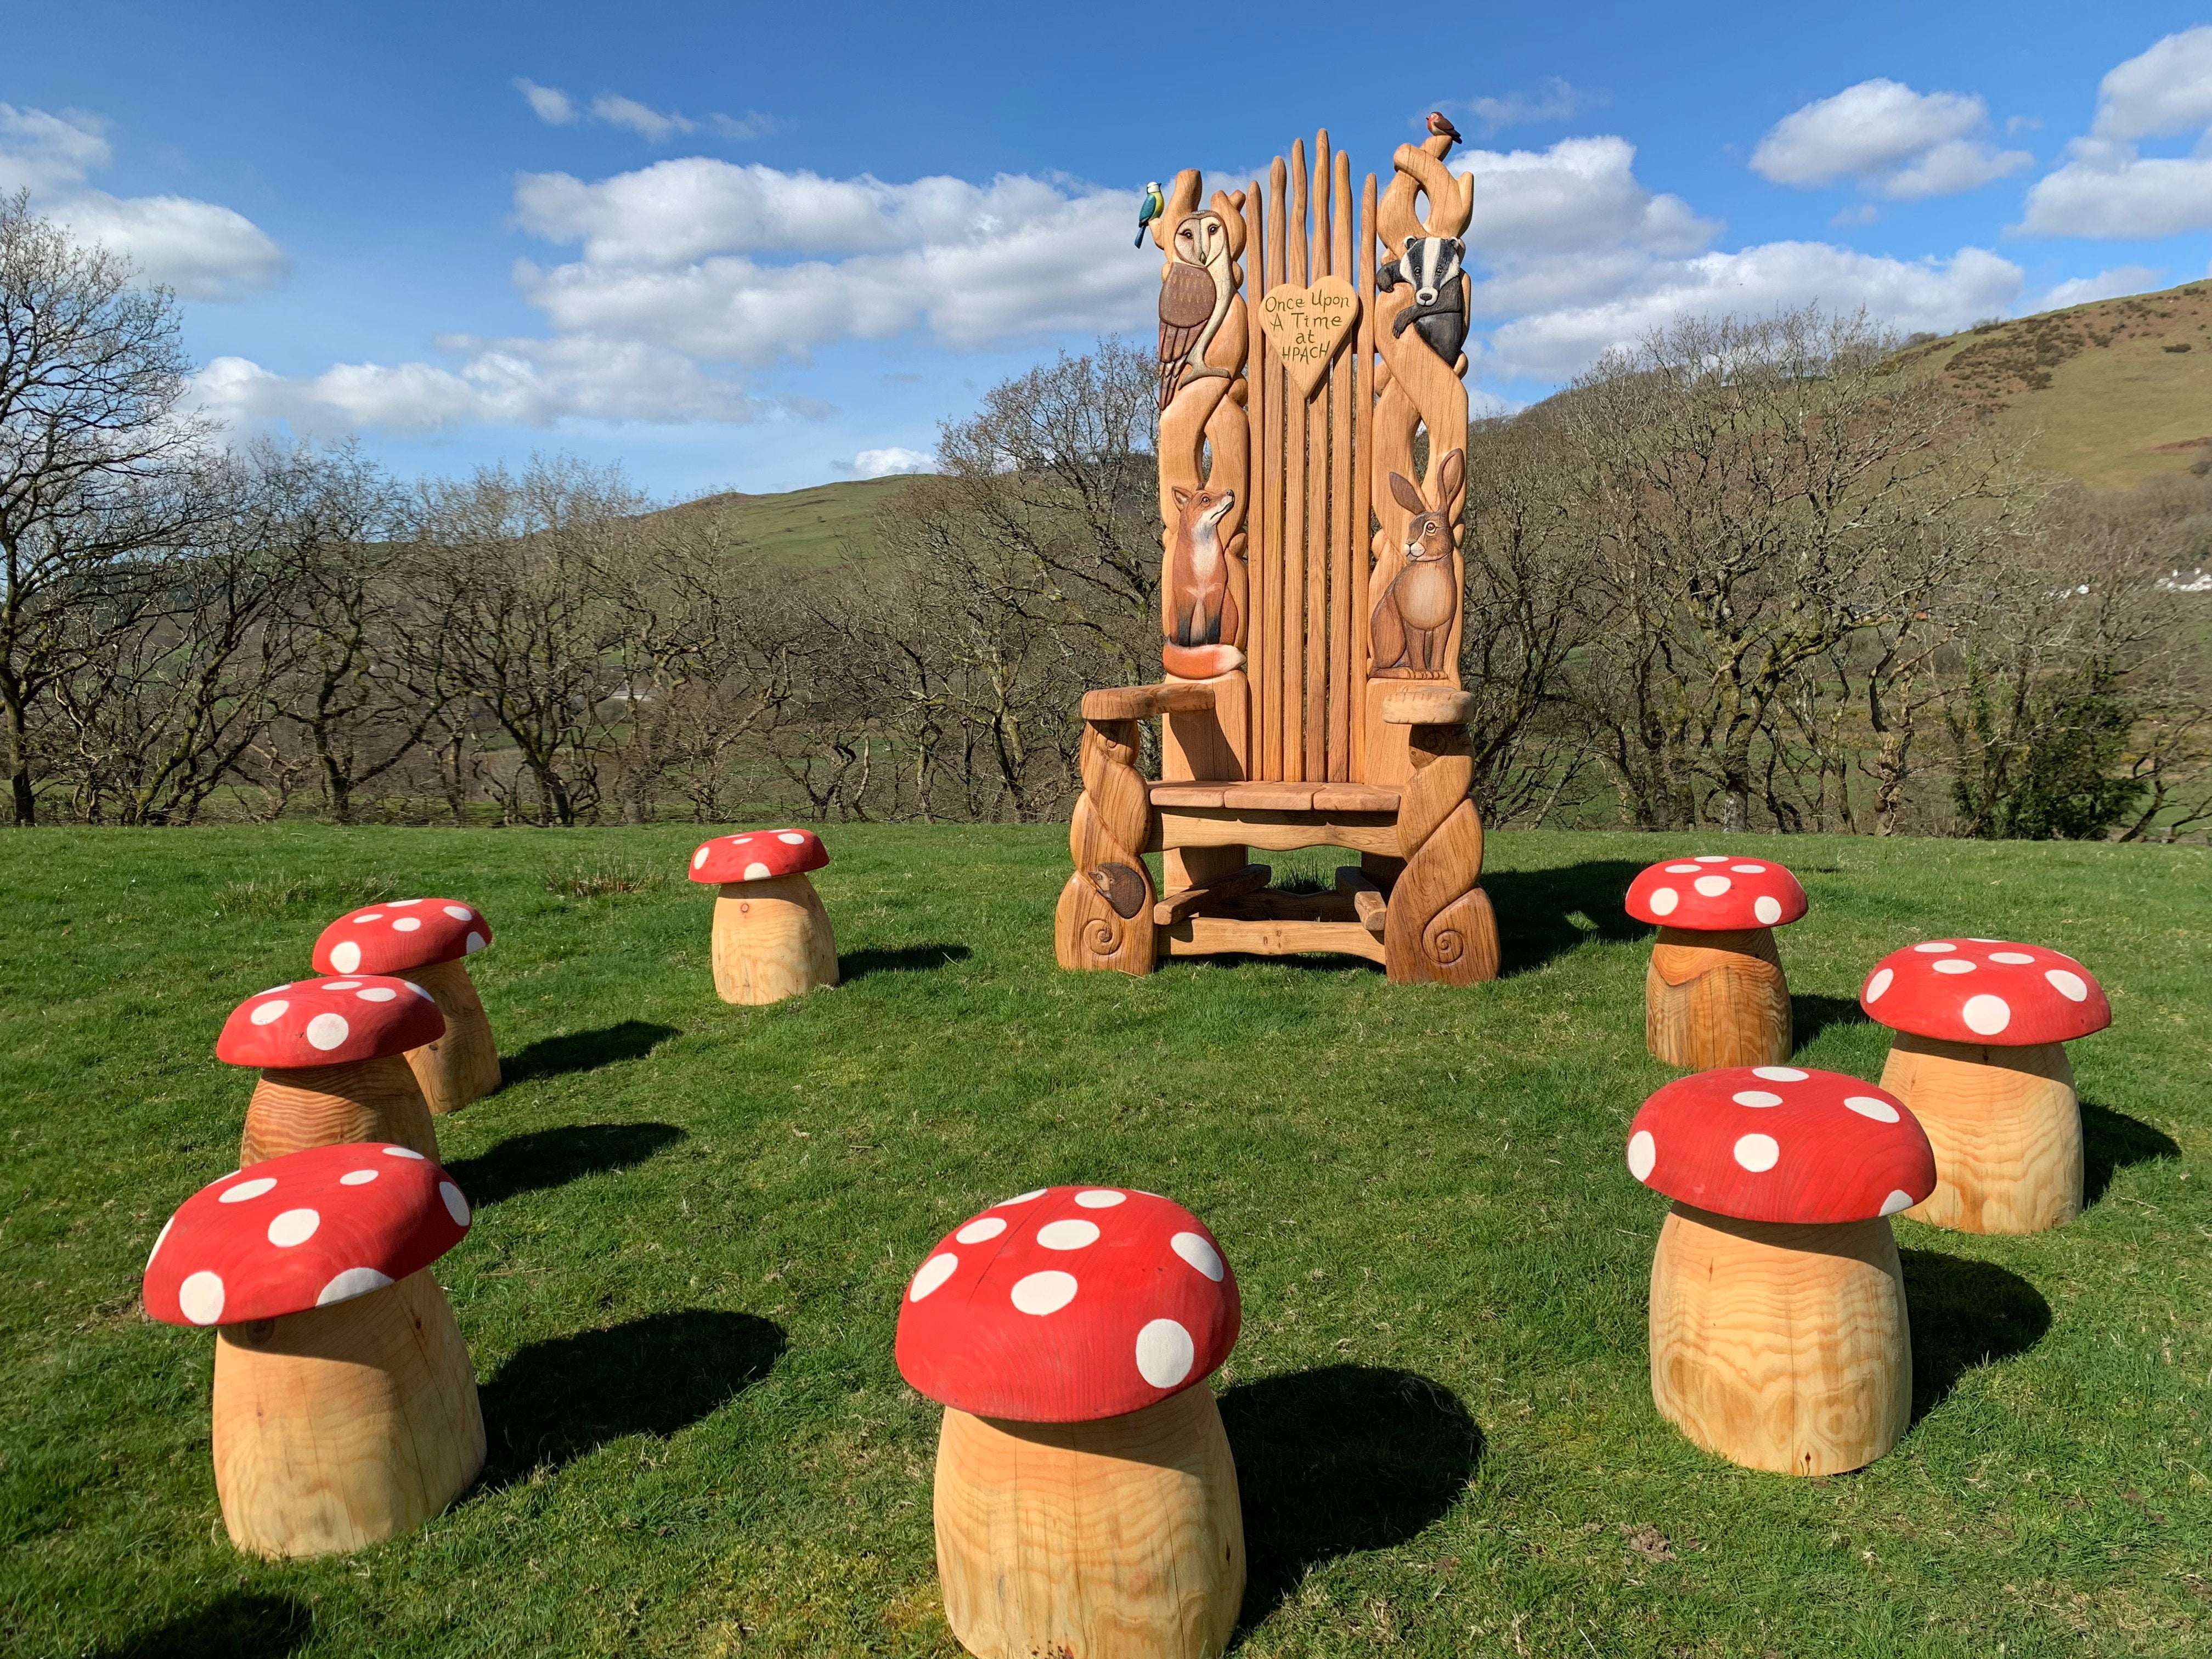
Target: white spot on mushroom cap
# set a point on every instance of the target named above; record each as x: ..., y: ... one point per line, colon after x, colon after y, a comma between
x: 1755, y: 1098
x: 1100, y: 1198
x: 345, y: 956
x: 2071, y: 986
x: 357, y: 1177
x: 474, y: 942
x: 1069, y: 1234
x: 1643, y: 1153
x: 1883, y: 978
x: 160, y: 1238
x: 1872, y: 1106
x: 1933, y: 948
x: 1681, y: 869
x: 1954, y: 965
x: 269, y: 1013
x: 1758, y: 1153
x: 934, y: 1271
x: 405, y: 924
x: 338, y: 984
x: 403, y: 1151
x: 1767, y: 908
x: 1986, y: 1015
x: 327, y: 1031
x: 459, y: 912
x: 1779, y: 1073
x: 757, y: 872
x: 246, y: 1190
x: 376, y: 994
x: 420, y: 992
x: 791, y: 836
x: 1896, y: 1201
x: 1712, y: 858
x: 1663, y: 900
x: 401, y: 904
x: 456, y: 1206
x: 982, y: 1230
x: 699, y: 858
x: 1022, y: 1197
x: 1712, y: 886
x: 294, y: 1227
x: 1043, y: 1293
x: 1748, y: 869
x: 2012, y: 958
x: 370, y: 915
x: 352, y: 1282
x: 200, y: 1297
x: 1193, y: 1248
x: 1165, y: 1353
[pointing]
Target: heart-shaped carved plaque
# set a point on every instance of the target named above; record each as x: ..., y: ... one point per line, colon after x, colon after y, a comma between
x: 1306, y: 327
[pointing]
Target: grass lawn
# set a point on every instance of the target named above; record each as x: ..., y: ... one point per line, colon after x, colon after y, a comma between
x: 694, y: 1224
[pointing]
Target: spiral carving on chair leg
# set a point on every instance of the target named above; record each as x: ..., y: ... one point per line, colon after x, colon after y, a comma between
x: 1439, y: 926
x: 1112, y: 822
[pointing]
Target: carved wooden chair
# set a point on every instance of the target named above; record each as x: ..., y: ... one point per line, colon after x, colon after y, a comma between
x: 1310, y: 591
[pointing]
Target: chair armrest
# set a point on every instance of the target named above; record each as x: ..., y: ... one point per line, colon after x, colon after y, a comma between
x: 1140, y: 702
x: 1428, y: 705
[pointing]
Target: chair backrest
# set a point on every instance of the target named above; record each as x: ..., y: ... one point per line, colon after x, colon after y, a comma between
x: 1309, y: 567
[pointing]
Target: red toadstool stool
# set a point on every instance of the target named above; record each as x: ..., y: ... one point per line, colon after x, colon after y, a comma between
x: 332, y: 1068
x: 1980, y: 1057
x: 772, y: 937
x: 427, y: 942
x: 345, y: 1406
x: 1086, y: 1498
x: 1714, y: 994
x: 1778, y: 1331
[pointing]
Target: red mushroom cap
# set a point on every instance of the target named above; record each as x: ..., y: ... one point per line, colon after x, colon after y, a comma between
x: 302, y: 1231
x: 1985, y: 990
x: 1716, y: 893
x: 758, y: 854
x: 1069, y: 1304
x: 401, y: 933
x: 1779, y: 1143
x: 327, y: 1022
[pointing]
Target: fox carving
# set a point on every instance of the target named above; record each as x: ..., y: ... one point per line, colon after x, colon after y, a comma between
x: 1413, y: 621
x: 1202, y: 622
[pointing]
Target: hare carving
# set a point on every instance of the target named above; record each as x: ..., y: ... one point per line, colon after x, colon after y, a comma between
x: 1411, y: 626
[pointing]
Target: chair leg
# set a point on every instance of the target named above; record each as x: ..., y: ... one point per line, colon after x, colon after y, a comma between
x: 1439, y: 928
x: 1105, y: 915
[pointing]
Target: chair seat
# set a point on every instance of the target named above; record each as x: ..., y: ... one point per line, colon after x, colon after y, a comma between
x: 1254, y: 797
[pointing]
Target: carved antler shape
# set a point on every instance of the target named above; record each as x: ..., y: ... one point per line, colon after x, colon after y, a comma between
x: 1421, y: 172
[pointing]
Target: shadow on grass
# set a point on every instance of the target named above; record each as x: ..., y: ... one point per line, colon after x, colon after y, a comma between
x: 2110, y: 1141
x: 265, y: 1626
x: 1812, y: 1014
x: 558, y: 1400
x: 1533, y: 906
x: 906, y: 959
x: 553, y: 1157
x: 585, y: 1051
x: 1332, y: 1462
x: 1964, y: 1314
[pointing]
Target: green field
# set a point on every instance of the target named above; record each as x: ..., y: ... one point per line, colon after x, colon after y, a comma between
x: 695, y: 1222
x: 805, y: 529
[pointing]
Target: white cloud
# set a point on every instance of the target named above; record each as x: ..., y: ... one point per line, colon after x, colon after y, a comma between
x: 1859, y: 212
x: 1581, y: 196
x: 203, y: 250
x: 2104, y: 285
x: 2106, y: 188
x: 1556, y: 102
x: 648, y: 122
x: 558, y: 109
x: 884, y: 462
x: 550, y: 104
x: 1896, y: 142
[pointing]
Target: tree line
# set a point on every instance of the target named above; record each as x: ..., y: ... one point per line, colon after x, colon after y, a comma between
x: 1749, y: 574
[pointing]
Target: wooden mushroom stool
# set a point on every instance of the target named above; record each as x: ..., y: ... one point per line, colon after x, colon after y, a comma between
x: 1714, y: 994
x: 1086, y: 1498
x: 772, y: 937
x: 1979, y: 1057
x: 1778, y: 1332
x: 427, y: 942
x: 332, y: 1054
x: 345, y: 1406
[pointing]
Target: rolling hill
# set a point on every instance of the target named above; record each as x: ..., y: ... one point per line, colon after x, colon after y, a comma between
x: 805, y: 529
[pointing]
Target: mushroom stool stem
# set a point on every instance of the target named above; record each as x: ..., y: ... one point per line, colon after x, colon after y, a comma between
x: 294, y: 1108
x: 771, y: 940
x: 1120, y: 1538
x: 1714, y: 999
x: 2006, y: 1127
x: 463, y: 1065
x: 1780, y: 1346
x: 343, y: 1425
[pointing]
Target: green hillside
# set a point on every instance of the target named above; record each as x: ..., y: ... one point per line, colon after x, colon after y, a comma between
x: 807, y: 529
x: 2119, y: 390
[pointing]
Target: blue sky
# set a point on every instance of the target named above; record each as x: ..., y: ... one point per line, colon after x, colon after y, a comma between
x: 759, y: 247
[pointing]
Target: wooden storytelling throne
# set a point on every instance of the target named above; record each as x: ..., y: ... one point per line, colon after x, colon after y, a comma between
x: 1311, y: 592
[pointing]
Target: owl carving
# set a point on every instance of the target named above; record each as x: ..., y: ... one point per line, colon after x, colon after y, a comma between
x: 1195, y: 297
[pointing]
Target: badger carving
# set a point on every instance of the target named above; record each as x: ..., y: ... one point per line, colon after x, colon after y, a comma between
x: 1433, y: 264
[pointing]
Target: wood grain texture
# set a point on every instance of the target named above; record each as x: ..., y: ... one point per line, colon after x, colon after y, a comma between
x: 1207, y: 936
x: 772, y: 940
x: 463, y: 1065
x: 1189, y: 901
x: 1368, y: 902
x: 1715, y: 999
x: 2006, y: 1127
x: 1113, y: 822
x: 1440, y: 928
x: 1781, y: 1348
x: 294, y: 1108
x: 340, y: 1427
x: 1276, y: 832
x: 1139, y: 702
x: 1115, y: 1540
